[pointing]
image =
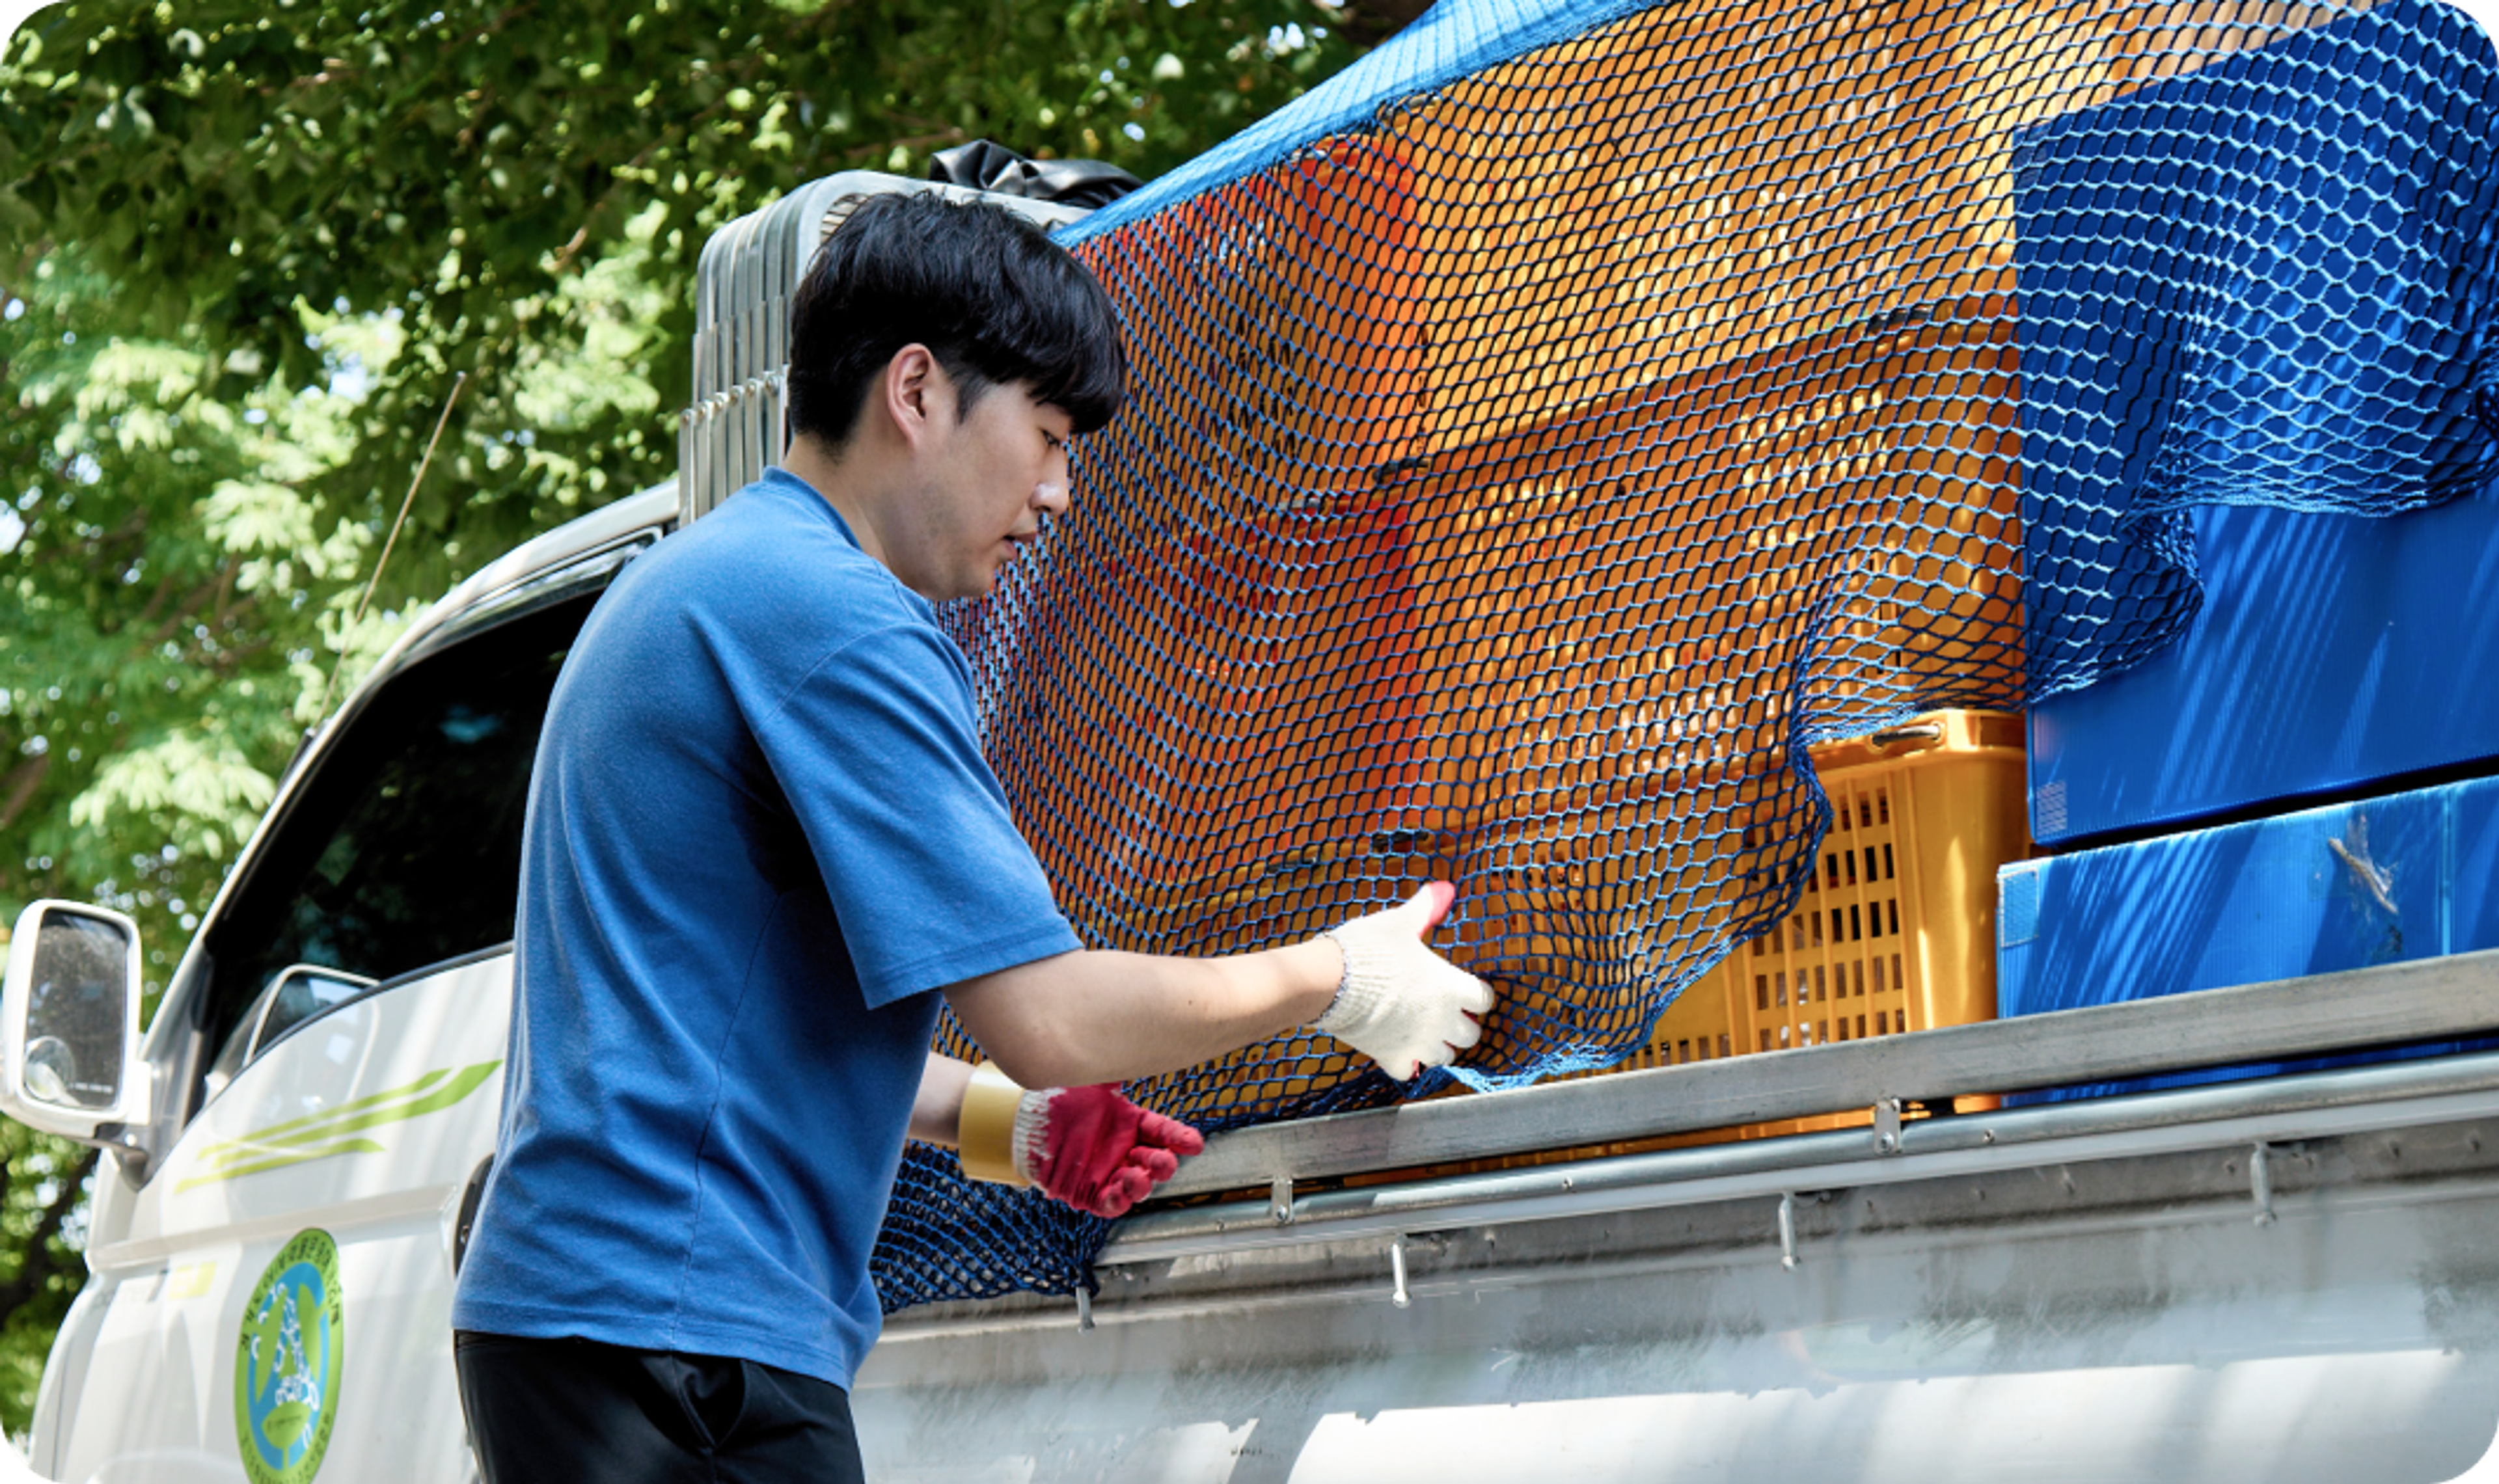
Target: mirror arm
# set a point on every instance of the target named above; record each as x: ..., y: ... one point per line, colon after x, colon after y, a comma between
x: 135, y: 1149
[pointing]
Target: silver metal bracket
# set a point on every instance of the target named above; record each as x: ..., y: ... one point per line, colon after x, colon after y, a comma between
x: 1887, y: 1125
x: 1083, y: 1309
x: 1786, y: 1230
x: 2261, y: 1179
x: 1397, y: 1274
x: 1280, y: 1200
x: 132, y: 1147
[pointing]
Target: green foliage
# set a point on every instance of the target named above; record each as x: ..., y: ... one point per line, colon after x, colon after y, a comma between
x: 472, y: 167
x: 248, y: 247
x: 165, y: 552
x: 42, y: 1209
x: 172, y: 592
x: 244, y: 250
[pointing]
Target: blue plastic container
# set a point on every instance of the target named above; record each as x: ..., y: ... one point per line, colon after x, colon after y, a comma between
x: 2252, y: 301
x: 2331, y: 651
x: 2407, y: 876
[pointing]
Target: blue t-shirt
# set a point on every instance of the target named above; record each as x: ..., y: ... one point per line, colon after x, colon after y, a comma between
x: 759, y: 834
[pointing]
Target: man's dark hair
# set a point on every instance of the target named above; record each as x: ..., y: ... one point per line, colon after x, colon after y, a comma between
x: 994, y: 300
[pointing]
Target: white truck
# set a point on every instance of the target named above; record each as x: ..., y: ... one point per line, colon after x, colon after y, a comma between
x: 2285, y: 1279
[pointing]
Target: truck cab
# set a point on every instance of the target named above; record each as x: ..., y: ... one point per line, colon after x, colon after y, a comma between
x: 303, y: 1129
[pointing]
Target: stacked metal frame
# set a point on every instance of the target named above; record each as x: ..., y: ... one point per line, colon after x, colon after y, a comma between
x: 735, y: 429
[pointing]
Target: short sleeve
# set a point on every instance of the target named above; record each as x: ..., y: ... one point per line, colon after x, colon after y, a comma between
x: 877, y: 752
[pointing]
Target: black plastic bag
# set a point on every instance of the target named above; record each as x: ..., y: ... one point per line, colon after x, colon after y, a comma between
x: 988, y: 167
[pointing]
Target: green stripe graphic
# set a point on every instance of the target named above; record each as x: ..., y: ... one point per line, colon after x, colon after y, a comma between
x: 318, y: 1136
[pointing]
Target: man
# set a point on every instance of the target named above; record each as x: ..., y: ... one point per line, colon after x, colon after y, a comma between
x: 761, y: 842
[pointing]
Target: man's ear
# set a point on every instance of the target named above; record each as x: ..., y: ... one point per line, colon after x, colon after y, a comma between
x: 915, y: 394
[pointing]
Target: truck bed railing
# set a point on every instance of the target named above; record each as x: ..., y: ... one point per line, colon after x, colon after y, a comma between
x: 2256, y: 1118
x: 2429, y: 1000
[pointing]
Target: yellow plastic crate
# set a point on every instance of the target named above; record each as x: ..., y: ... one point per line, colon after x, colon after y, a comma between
x: 1898, y: 931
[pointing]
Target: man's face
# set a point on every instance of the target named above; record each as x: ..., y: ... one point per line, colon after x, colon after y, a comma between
x: 987, y: 480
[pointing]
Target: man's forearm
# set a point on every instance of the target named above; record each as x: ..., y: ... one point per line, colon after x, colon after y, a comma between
x: 938, y: 1110
x: 1090, y: 1016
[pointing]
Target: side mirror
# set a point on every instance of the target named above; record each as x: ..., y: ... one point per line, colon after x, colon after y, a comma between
x: 69, y: 1021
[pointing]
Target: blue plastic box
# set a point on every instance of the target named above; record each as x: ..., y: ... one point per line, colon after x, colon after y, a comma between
x: 2407, y: 876
x: 2249, y: 300
x: 2332, y: 650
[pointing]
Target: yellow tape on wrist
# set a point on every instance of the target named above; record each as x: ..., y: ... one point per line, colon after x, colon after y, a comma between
x: 986, y: 1134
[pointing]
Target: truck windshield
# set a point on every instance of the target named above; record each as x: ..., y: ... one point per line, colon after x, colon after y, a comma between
x: 403, y: 849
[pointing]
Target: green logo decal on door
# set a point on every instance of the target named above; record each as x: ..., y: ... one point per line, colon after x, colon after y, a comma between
x: 286, y: 1362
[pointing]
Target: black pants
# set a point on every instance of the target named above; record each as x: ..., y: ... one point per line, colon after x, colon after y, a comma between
x: 575, y: 1411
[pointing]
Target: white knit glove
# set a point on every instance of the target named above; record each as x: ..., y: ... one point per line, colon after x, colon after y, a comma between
x: 1400, y: 1004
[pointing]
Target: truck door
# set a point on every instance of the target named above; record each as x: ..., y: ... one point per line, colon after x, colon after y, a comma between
x: 280, y: 1302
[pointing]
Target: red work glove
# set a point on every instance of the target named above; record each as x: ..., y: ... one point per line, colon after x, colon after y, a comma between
x: 1095, y: 1150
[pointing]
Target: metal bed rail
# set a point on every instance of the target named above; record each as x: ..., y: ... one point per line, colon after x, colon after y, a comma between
x: 2434, y: 999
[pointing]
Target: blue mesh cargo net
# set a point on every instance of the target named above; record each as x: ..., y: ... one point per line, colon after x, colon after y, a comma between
x: 1546, y: 431
x: 2264, y: 281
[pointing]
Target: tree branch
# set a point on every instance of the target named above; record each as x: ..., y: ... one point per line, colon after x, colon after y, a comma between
x: 225, y: 596
x: 155, y: 604
x: 20, y: 786
x: 182, y: 615
x: 231, y: 659
x: 36, y: 1271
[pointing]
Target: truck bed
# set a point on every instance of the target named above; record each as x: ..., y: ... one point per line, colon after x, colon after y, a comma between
x: 2280, y: 1280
